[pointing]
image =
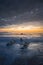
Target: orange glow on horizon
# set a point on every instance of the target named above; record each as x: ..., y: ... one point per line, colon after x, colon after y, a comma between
x: 22, y: 30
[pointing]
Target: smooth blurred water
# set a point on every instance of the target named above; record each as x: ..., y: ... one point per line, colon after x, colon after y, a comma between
x: 10, y: 53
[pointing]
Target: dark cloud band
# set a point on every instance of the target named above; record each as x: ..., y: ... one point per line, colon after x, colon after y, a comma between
x: 20, y: 11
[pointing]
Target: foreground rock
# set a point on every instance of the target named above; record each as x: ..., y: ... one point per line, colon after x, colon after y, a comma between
x: 11, y: 43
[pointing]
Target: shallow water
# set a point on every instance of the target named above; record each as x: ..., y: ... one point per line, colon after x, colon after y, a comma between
x: 10, y: 53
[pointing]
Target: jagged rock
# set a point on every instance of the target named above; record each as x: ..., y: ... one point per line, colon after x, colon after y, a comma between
x: 11, y: 43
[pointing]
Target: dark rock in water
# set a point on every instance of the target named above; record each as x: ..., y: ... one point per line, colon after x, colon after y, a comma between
x: 21, y: 33
x: 7, y: 44
x: 11, y: 43
x: 22, y: 48
x: 21, y: 39
x: 25, y: 45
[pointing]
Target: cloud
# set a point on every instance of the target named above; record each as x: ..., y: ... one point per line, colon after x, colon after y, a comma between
x: 14, y: 7
x: 20, y: 11
x: 27, y: 17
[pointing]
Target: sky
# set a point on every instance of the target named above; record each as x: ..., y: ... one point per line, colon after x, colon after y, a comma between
x: 21, y: 16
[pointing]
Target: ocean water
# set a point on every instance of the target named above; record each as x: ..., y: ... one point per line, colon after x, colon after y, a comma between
x: 14, y: 55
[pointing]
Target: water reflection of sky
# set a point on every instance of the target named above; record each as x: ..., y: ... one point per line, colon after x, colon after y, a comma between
x: 30, y: 35
x: 34, y: 46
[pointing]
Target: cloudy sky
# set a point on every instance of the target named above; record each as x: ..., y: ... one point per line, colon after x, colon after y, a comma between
x: 19, y: 15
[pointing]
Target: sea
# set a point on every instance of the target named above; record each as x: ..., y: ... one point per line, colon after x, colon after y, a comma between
x: 15, y: 55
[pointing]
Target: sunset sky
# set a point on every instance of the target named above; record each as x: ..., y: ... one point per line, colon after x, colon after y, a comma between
x: 21, y: 16
x: 24, y: 28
